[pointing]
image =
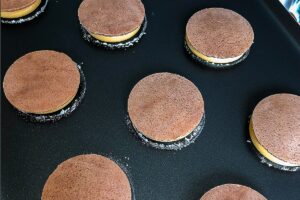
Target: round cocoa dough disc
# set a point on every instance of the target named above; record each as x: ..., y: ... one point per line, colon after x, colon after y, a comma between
x: 165, y: 107
x: 41, y: 82
x: 87, y: 177
x: 14, y: 5
x: 232, y: 192
x: 276, y: 125
x: 219, y: 33
x: 111, y: 17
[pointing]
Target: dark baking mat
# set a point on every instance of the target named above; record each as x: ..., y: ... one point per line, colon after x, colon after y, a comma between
x: 30, y: 152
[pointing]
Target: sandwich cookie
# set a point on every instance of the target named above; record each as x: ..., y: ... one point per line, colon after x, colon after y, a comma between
x: 19, y: 11
x: 166, y: 111
x: 232, y: 192
x: 44, y: 85
x: 275, y: 131
x: 218, y: 37
x: 112, y: 23
x: 87, y: 177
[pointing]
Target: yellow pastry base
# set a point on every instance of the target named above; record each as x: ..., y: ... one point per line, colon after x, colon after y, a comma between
x: 264, y: 151
x: 114, y: 39
x: 21, y: 13
x: 210, y: 59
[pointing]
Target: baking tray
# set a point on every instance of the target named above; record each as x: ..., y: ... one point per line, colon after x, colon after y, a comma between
x: 30, y: 152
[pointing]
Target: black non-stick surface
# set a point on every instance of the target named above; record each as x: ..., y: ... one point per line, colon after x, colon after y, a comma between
x: 30, y: 152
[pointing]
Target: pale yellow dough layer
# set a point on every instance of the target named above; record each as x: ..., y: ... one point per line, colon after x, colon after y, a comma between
x: 113, y: 39
x: 21, y: 13
x: 210, y: 59
x: 264, y: 151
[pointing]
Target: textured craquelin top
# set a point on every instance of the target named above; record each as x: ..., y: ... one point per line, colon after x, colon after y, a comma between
x: 219, y: 33
x: 87, y: 177
x: 41, y: 81
x: 165, y: 107
x: 13, y: 5
x: 232, y: 192
x: 276, y: 124
x: 111, y: 17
